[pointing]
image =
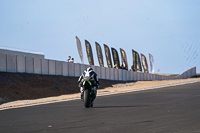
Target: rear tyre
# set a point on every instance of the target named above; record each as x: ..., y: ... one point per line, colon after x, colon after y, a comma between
x: 86, y: 98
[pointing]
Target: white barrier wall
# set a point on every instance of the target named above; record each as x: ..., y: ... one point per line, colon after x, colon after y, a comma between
x: 65, y: 66
x: 116, y: 72
x: 3, y: 62
x: 77, y: 70
x: 103, y: 72
x: 120, y: 74
x: 20, y: 63
x: 45, y: 66
x: 108, y: 76
x: 11, y: 63
x: 59, y: 69
x: 52, y: 67
x: 97, y: 69
x: 37, y: 66
x: 124, y: 77
x: 29, y: 65
x: 112, y: 74
x: 71, y: 69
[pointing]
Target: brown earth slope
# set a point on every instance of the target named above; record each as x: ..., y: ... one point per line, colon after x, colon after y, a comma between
x: 20, y: 86
x: 18, y: 89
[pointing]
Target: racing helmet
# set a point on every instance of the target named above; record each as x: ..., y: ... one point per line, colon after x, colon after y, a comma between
x: 89, y: 69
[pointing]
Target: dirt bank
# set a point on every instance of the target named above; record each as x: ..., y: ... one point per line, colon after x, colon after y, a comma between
x: 18, y: 89
x: 20, y: 86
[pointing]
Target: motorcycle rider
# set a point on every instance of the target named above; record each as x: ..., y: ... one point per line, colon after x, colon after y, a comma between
x: 94, y: 80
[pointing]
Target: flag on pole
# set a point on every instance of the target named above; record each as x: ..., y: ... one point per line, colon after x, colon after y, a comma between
x: 151, y: 63
x: 99, y: 54
x: 108, y: 56
x: 79, y: 48
x: 89, y: 52
x: 144, y: 63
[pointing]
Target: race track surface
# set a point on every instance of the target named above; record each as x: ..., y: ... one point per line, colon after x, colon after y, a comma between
x: 165, y: 110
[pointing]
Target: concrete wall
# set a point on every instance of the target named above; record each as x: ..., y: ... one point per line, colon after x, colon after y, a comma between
x: 108, y: 76
x: 116, y: 72
x: 71, y: 69
x: 120, y: 71
x: 59, y: 68
x: 52, y: 67
x: 3, y: 62
x: 37, y: 66
x: 45, y: 66
x: 29, y: 65
x: 97, y: 69
x: 12, y: 52
x: 112, y: 74
x: 21, y: 63
x: 77, y: 70
x: 103, y: 72
x: 11, y: 63
x: 65, y: 66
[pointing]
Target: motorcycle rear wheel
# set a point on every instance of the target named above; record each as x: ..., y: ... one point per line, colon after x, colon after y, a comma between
x: 86, y: 98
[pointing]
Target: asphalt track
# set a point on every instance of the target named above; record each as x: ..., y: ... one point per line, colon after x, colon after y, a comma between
x: 165, y: 110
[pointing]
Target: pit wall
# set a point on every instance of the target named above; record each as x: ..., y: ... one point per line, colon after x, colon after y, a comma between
x: 25, y: 64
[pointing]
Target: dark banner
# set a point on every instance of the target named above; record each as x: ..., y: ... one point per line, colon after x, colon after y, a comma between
x: 115, y: 57
x: 89, y: 52
x: 136, y: 61
x: 79, y: 47
x: 108, y: 56
x: 124, y: 59
x: 144, y: 63
x: 99, y: 54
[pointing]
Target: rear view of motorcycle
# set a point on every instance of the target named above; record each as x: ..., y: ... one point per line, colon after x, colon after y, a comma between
x: 88, y: 95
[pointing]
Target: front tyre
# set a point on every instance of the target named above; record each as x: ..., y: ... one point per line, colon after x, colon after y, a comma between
x: 86, y: 98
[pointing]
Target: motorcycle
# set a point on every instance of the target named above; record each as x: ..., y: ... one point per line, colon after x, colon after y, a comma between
x: 88, y: 94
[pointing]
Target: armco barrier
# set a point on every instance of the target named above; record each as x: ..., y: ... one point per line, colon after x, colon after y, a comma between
x: 11, y: 63
x: 2, y: 62
x: 21, y: 63
x: 37, y: 68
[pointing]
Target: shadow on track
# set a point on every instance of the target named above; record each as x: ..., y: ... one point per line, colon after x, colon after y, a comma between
x: 128, y: 106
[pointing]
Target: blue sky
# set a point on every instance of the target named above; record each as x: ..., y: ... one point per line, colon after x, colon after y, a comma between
x: 168, y: 29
